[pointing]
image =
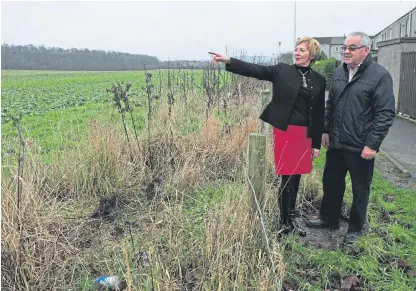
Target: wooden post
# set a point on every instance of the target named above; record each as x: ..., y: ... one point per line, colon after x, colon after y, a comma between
x: 256, y: 169
x: 265, y: 99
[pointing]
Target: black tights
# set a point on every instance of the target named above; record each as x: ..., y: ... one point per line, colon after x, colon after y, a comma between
x: 287, y: 196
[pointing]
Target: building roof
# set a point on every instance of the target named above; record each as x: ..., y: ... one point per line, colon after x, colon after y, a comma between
x: 398, y: 19
x: 333, y: 40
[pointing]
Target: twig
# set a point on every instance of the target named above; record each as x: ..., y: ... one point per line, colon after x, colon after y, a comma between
x: 16, y: 123
x: 149, y: 91
x: 122, y: 95
x: 171, y: 93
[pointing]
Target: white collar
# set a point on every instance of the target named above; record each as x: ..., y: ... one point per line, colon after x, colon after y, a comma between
x: 356, y: 68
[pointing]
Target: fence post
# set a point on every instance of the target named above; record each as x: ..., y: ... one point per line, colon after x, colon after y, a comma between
x: 256, y: 169
x: 265, y: 99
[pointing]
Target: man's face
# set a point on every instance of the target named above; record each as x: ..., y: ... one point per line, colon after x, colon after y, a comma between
x: 354, y: 53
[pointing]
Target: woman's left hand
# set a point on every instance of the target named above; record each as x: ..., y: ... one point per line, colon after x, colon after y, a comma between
x: 315, y: 153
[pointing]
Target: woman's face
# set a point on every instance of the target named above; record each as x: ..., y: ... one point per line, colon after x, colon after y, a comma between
x: 302, y: 55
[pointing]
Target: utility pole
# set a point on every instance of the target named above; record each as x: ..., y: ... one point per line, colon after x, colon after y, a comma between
x: 279, y: 51
x: 294, y: 30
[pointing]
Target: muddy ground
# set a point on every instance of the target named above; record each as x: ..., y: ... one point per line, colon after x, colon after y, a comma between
x: 332, y: 239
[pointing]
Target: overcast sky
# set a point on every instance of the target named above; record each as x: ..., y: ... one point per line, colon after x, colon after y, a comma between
x: 188, y: 30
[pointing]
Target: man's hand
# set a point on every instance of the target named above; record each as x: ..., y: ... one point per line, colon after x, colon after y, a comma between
x: 315, y: 153
x: 368, y: 154
x: 325, y: 140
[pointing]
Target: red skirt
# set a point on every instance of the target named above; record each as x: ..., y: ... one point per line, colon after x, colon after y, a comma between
x: 292, y: 150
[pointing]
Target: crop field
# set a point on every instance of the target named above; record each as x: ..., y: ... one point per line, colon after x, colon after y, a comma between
x: 143, y: 175
x: 56, y: 106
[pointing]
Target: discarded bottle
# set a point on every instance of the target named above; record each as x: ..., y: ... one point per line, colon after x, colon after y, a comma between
x: 110, y: 283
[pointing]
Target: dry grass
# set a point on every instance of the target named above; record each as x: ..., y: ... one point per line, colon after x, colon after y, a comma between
x: 182, y: 200
x: 197, y: 238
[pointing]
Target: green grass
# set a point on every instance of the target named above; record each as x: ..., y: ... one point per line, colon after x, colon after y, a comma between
x: 57, y: 107
x: 63, y: 129
x: 38, y: 92
x: 375, y: 256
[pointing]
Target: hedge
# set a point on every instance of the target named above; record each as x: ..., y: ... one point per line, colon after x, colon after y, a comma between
x: 326, y: 68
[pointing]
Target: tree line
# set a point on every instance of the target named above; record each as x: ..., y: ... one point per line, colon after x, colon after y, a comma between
x: 30, y: 57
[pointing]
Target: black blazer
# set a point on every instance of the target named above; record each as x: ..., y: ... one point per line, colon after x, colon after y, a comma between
x: 286, y: 84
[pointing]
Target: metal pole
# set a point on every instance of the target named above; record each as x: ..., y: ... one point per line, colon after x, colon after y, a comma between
x: 294, y: 31
x: 279, y: 52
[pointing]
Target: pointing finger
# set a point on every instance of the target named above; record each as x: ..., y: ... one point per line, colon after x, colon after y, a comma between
x: 216, y: 54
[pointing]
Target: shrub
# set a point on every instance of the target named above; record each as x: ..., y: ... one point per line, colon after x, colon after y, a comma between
x: 326, y: 68
x: 323, y: 56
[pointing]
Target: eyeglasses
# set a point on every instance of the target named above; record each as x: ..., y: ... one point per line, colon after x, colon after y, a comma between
x: 351, y: 48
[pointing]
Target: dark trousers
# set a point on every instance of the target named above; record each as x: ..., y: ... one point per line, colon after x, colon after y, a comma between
x: 338, y: 163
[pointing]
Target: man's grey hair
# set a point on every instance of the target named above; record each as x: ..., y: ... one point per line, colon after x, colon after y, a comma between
x: 365, y: 39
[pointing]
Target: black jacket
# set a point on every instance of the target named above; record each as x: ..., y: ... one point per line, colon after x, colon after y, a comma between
x: 359, y: 113
x: 286, y: 84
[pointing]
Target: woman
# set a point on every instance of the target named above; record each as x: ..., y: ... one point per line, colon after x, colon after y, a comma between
x: 296, y: 113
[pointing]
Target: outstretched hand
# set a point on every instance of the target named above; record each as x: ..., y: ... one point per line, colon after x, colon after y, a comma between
x: 219, y: 58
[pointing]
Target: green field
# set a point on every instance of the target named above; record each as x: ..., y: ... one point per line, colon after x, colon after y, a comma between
x: 34, y: 93
x: 56, y: 106
x: 182, y: 196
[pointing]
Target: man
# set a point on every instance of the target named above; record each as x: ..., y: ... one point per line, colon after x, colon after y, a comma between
x: 359, y: 112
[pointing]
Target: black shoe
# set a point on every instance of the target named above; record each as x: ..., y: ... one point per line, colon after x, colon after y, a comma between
x: 317, y: 223
x: 284, y: 230
x: 351, y: 237
x: 295, y: 227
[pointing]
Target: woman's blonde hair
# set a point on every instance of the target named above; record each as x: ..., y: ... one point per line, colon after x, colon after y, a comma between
x: 313, y: 46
